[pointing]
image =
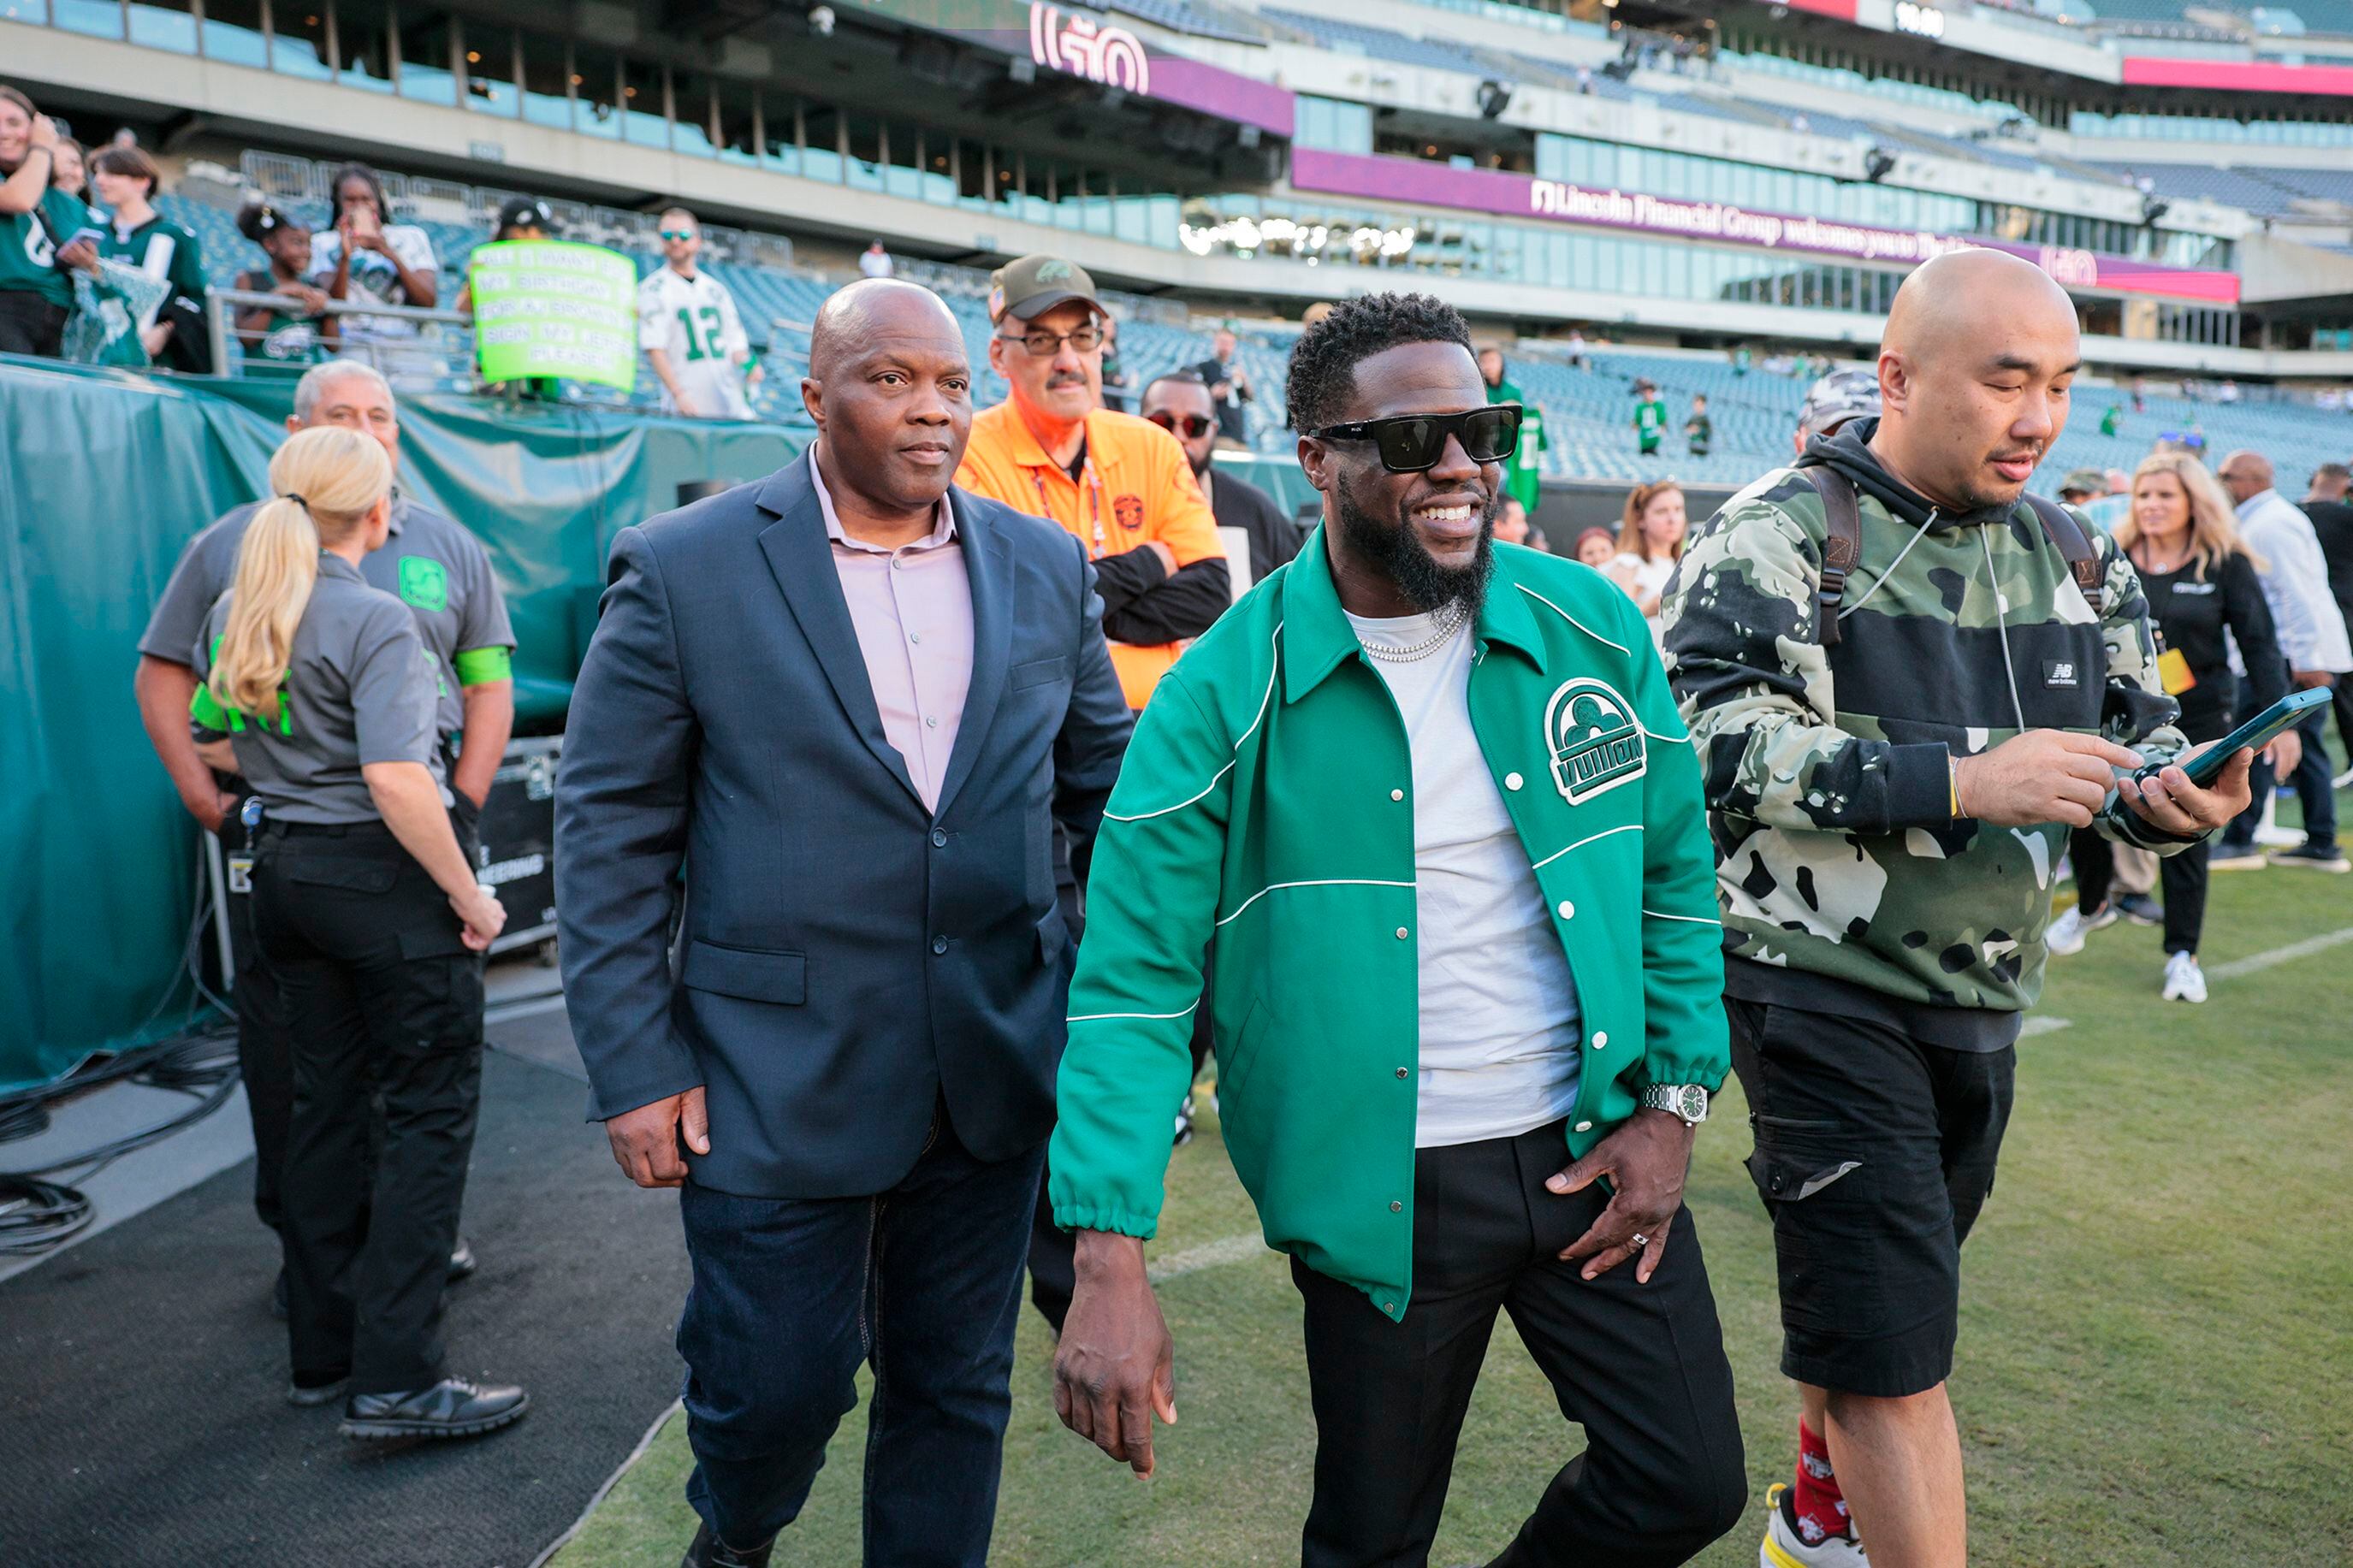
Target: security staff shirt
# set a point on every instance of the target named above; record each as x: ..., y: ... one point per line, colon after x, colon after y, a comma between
x: 359, y: 688
x: 428, y: 562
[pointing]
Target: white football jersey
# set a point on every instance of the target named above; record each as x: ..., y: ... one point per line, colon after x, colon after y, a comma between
x: 694, y: 320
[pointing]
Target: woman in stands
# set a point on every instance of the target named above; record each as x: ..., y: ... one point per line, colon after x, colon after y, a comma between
x: 369, y: 260
x: 2200, y: 578
x: 72, y: 173
x: 303, y: 334
x: 319, y: 693
x: 37, y: 226
x: 138, y: 236
x: 1650, y: 543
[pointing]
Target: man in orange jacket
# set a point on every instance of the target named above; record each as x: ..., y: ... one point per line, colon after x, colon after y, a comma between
x: 1120, y: 483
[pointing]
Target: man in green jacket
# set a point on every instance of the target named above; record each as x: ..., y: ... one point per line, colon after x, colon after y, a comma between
x: 1430, y: 797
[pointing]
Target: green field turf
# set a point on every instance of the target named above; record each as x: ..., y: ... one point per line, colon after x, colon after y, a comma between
x: 2154, y: 1364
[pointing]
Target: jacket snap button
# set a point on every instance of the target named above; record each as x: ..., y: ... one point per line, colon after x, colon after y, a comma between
x: 1401, y: 934
x: 1585, y: 1127
x: 1567, y: 910
x: 1513, y: 780
x: 1397, y: 794
x: 1400, y: 1073
x: 1397, y: 1208
x: 1600, y: 1038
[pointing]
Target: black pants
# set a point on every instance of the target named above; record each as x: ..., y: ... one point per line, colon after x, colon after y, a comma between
x: 263, y: 1056
x: 31, y: 324
x: 2183, y: 875
x: 1641, y: 1367
x: 380, y: 995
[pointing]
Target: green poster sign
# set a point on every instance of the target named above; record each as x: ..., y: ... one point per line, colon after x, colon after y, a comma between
x: 550, y: 308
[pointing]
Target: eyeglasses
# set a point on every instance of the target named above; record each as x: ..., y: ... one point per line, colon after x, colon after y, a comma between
x: 1041, y: 345
x: 678, y: 234
x: 1413, y: 443
x: 1192, y: 426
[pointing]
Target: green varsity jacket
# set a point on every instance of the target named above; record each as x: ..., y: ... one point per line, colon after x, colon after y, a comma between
x: 1267, y: 802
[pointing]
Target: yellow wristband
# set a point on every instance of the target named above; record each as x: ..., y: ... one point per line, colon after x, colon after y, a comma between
x: 1953, y: 781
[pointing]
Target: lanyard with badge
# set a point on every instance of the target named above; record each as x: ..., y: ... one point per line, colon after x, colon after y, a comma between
x: 1092, y: 484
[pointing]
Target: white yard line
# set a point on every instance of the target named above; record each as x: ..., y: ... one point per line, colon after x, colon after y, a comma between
x: 2043, y: 1024
x: 1208, y: 1254
x: 2256, y: 962
x: 644, y: 1443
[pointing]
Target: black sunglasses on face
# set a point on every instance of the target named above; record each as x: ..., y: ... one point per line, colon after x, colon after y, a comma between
x: 1413, y: 443
x: 1192, y: 426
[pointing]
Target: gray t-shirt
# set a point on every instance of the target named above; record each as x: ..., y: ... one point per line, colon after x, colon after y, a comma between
x: 360, y: 688
x: 428, y: 563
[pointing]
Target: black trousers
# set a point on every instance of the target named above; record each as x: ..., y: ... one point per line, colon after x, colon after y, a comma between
x: 30, y: 324
x: 384, y: 1010
x: 2183, y: 875
x: 1641, y: 1367
x: 263, y: 1056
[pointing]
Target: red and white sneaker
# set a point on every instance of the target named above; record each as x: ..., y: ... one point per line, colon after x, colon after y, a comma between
x: 1785, y: 1546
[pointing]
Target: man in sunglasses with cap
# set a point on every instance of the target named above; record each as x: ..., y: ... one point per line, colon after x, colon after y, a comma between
x: 692, y: 334
x: 1432, y: 797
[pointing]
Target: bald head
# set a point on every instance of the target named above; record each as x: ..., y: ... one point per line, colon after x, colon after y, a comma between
x: 853, y: 316
x: 1974, y: 367
x: 2246, y: 475
x: 891, y: 390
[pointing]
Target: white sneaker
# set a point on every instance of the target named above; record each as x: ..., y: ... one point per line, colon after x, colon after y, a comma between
x: 2067, y: 933
x: 1783, y: 1547
x: 2184, y: 981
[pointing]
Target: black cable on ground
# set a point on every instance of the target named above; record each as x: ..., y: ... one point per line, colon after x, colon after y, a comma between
x: 36, y: 1215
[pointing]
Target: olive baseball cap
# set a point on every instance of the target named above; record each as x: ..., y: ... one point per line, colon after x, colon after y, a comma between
x: 1028, y: 288
x: 1841, y: 395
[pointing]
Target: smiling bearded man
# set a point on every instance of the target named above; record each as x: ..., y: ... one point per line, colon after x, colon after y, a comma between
x: 1428, y: 795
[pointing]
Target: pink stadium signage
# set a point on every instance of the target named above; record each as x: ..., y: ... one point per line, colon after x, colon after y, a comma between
x: 1520, y: 195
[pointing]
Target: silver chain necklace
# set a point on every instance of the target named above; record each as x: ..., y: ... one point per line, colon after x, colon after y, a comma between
x: 1447, y: 619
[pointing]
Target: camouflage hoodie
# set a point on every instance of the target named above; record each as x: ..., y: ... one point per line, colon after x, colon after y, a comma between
x: 1838, y: 853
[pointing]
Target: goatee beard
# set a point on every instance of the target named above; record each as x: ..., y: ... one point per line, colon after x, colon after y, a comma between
x: 1398, y: 552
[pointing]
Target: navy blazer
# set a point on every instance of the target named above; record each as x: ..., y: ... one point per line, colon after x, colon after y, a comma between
x: 847, y: 959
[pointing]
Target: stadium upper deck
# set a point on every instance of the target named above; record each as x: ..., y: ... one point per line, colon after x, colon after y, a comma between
x: 1746, y: 181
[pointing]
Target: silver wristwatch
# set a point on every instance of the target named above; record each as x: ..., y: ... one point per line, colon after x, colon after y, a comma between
x: 1688, y: 1100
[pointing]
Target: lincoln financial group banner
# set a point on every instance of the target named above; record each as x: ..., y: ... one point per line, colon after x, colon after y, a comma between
x: 550, y: 308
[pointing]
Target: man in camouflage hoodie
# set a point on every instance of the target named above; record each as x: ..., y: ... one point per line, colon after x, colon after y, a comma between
x: 1889, y: 811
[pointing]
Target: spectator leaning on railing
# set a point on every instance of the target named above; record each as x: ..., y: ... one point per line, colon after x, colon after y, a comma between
x: 37, y: 226
x: 367, y: 261
x: 299, y: 335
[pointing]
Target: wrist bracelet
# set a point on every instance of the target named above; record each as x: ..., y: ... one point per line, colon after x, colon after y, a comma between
x: 1953, y: 782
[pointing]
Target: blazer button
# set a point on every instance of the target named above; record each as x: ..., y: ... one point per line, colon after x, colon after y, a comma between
x: 939, y: 839
x: 939, y: 944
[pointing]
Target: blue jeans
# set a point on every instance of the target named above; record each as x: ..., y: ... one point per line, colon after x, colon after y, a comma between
x: 791, y: 1295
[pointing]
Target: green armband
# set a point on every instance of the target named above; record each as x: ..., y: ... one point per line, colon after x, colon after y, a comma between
x: 477, y: 664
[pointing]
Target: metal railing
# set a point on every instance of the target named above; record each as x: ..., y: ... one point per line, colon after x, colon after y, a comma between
x: 396, y: 359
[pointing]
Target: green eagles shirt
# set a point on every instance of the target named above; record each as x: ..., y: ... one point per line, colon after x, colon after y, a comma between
x: 29, y: 244
x: 1649, y: 420
x: 161, y: 248
x: 1702, y: 431
x: 1524, y: 475
x: 1267, y: 800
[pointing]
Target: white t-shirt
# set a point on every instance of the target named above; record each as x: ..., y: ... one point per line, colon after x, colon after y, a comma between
x: 1499, y: 1023
x: 374, y: 280
x: 694, y: 320
x: 1649, y: 574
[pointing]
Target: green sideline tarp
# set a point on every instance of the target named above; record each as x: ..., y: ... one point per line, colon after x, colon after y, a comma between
x: 103, y: 477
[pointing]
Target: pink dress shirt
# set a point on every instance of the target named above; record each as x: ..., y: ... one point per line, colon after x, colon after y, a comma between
x: 912, y: 609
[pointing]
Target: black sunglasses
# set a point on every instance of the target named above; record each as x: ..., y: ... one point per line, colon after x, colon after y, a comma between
x: 1412, y: 443
x: 1193, y: 426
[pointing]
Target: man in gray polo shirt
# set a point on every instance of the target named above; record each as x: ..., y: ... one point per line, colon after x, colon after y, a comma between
x: 442, y: 574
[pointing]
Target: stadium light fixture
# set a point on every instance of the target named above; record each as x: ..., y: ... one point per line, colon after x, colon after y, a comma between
x: 1493, y: 99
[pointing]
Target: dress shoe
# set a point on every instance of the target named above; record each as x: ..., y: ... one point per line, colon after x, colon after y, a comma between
x: 707, y: 1550
x: 451, y: 1409
x: 462, y: 1262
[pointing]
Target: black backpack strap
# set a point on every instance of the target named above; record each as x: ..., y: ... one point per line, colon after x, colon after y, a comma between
x: 2083, y: 555
x: 1842, y: 547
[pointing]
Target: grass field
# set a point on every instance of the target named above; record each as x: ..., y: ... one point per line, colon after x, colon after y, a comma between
x: 2154, y: 1366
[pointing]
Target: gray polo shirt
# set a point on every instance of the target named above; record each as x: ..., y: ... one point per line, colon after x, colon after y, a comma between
x: 428, y: 563
x: 360, y: 688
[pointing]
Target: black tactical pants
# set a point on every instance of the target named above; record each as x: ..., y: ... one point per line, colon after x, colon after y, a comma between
x: 379, y: 994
